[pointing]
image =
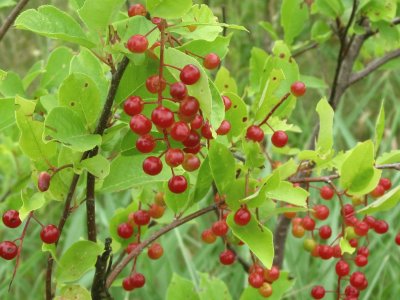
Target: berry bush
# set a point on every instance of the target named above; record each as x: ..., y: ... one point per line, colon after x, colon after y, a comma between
x: 134, y: 124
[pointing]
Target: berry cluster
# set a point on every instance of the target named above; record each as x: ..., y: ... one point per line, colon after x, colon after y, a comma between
x: 263, y: 278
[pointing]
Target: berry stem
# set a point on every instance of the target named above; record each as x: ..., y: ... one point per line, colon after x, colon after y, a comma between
x: 284, y: 98
x: 173, y: 67
x: 147, y: 34
x: 161, y: 66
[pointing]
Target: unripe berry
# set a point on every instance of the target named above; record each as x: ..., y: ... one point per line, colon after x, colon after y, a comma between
x: 155, y: 251
x: 298, y: 88
x: 191, y: 162
x: 137, y: 43
x: 190, y: 74
x: 309, y: 244
x: 265, y: 290
x: 208, y: 236
x: 211, y: 61
x: 44, y: 181
x: 298, y: 231
x: 49, y: 234
x: 156, y: 211
x: 227, y: 257
x: 242, y: 216
x: 11, y: 219
x: 279, y: 139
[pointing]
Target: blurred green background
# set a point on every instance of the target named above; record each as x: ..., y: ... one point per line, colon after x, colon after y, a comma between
x: 184, y: 252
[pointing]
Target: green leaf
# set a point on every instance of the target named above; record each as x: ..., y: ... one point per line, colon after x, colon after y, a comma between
x: 358, y: 175
x: 237, y: 115
x: 49, y: 21
x: 31, y: 201
x: 294, y: 15
x: 379, y: 128
x: 30, y: 140
x: 121, y: 215
x: 99, y: 166
x: 325, y: 136
x: 254, y: 156
x: 257, y: 237
x: 288, y: 193
x: 313, y: 82
x: 66, y: 126
x: 218, y: 107
x: 389, y: 157
x: 33, y: 73
x: 80, y: 93
x: 222, y: 164
x: 268, y: 27
x: 236, y: 193
x: 77, y: 260
x: 329, y: 8
x: 126, y: 172
x: 7, y: 116
x: 177, y: 202
x: 7, y: 3
x: 212, y: 288
x: 345, y: 246
x: 181, y: 289
x: 168, y: 9
x: 287, y: 169
x: 203, y: 182
x: 98, y: 17
x: 51, y: 248
x: 320, y: 32
x: 73, y: 291
x: 11, y: 85
x: 257, y: 63
x: 378, y: 10
x: 384, y: 203
x: 224, y: 82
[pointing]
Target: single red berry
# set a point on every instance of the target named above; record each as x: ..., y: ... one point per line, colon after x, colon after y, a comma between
x: 351, y: 221
x: 381, y: 226
x: 363, y: 251
x: 279, y: 139
x: 131, y: 247
x: 255, y: 133
x: 347, y: 210
x: 342, y: 268
x: 178, y: 90
x: 397, y: 239
x: 385, y: 183
x: 298, y: 88
x: 227, y: 102
x: 370, y: 220
x: 378, y: 191
x: 156, y: 211
x: 361, y: 260
x: 242, y: 216
x: 177, y: 184
x: 271, y: 275
x: 127, y: 284
x: 308, y: 223
x: 361, y: 228
x: 220, y: 228
x: 321, y: 212
x: 191, y: 162
x: 192, y: 140
x: 154, y: 84
x: 318, y: 292
x: 11, y: 218
x: 125, y: 230
x: 256, y: 280
x: 351, y: 291
x: 256, y: 269
x: 137, y: 43
x: 133, y: 105
x: 137, y: 10
x: 162, y: 117
x: 193, y: 150
x: 326, y: 192
x: 197, y: 122
x: 174, y: 157
x: 325, y: 252
x: 357, y: 280
x: 211, y: 61
x: 189, y: 107
x: 49, y: 234
x: 208, y: 236
x: 157, y: 21
x: 190, y: 74
x: 152, y: 165
x: 138, y: 280
x: 325, y: 232
x: 8, y: 250
x: 337, y: 251
x: 224, y: 128
x: 140, y: 124
x: 180, y: 131
x: 145, y: 143
x: 206, y: 131
x: 44, y: 181
x: 227, y: 257
x: 353, y: 243
x: 155, y: 251
x: 141, y: 217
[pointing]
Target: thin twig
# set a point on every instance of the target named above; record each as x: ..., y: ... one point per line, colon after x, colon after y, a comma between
x: 11, y: 17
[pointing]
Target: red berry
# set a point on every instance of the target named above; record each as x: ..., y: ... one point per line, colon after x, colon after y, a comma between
x: 256, y: 269
x: 242, y: 216
x: 325, y: 232
x: 298, y: 88
x: 177, y: 184
x: 351, y: 291
x: 224, y: 128
x: 255, y: 133
x: 326, y: 192
x: 154, y: 84
x: 378, y: 191
x: 357, y: 280
x: 44, y: 181
x: 127, y: 284
x: 138, y: 280
x: 208, y: 236
x: 271, y: 275
x: 155, y: 251
x: 11, y: 218
x: 363, y: 251
x: 140, y: 124
x: 193, y: 150
x: 49, y: 234
x: 131, y: 247
x: 227, y: 102
x: 227, y: 257
x: 361, y: 260
x: 385, y: 183
x: 137, y: 10
x: 192, y: 140
x: 318, y: 292
x: 321, y: 212
x: 190, y: 74
x: 156, y: 211
x: 361, y: 228
x: 211, y: 61
x: 279, y: 139
x: 337, y: 252
x: 308, y: 223
x: 152, y: 165
x: 178, y: 90
x: 8, y: 250
x: 125, y: 230
x: 381, y: 226
x: 162, y: 117
x: 137, y: 43
x: 197, y: 122
x: 325, y: 252
x: 256, y: 280
x: 353, y: 243
x: 191, y: 162
x: 174, y: 157
x: 145, y: 143
x: 189, y: 107
x: 397, y: 239
x: 347, y: 210
x: 141, y: 217
x: 220, y: 228
x: 180, y: 131
x: 133, y: 105
x: 342, y: 268
x: 370, y: 220
x: 206, y: 131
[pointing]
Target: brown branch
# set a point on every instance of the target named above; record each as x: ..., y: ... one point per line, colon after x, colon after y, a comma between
x: 99, y: 291
x: 305, y: 49
x: 372, y: 66
x: 11, y: 17
x: 117, y: 270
